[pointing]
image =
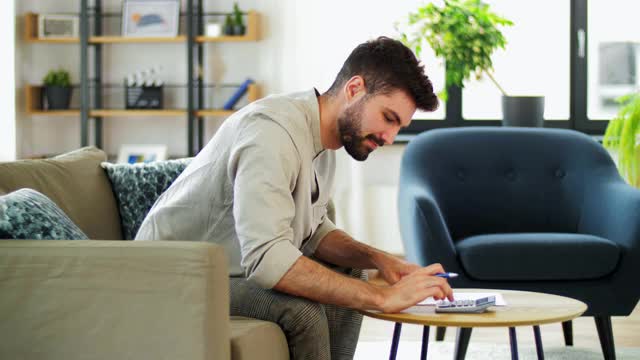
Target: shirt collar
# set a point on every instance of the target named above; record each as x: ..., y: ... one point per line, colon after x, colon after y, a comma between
x: 314, y: 115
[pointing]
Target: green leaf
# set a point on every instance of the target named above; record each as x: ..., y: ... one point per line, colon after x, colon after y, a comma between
x: 58, y: 77
x: 621, y: 137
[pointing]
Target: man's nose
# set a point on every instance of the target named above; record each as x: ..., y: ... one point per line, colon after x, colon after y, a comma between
x: 389, y: 136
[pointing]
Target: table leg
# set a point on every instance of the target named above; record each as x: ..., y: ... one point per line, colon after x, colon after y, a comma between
x: 396, y: 339
x: 514, y: 343
x: 462, y: 342
x: 536, y: 335
x: 425, y: 343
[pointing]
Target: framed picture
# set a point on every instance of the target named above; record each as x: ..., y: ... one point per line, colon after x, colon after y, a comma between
x: 58, y: 26
x: 150, y: 18
x: 132, y: 154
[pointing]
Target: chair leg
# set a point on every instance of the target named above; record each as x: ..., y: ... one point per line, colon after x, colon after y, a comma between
x: 605, y: 333
x: 440, y: 333
x: 567, y: 330
x: 462, y: 342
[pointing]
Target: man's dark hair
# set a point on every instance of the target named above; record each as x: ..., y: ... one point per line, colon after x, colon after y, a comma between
x: 386, y: 65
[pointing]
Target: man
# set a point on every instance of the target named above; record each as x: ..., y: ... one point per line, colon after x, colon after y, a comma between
x: 260, y: 188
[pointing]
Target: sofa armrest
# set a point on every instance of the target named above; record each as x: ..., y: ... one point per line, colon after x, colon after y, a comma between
x: 113, y: 300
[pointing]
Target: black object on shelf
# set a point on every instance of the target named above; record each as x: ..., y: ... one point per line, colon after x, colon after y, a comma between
x: 58, y: 97
x: 143, y: 97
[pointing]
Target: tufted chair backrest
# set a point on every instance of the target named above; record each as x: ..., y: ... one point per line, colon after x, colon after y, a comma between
x: 506, y: 180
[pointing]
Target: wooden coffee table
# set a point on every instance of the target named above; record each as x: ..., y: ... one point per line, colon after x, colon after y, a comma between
x: 523, y: 309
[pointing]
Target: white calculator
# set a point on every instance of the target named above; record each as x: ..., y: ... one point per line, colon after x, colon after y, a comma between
x: 465, y: 306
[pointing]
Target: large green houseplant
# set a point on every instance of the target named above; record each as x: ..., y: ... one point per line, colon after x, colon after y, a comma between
x: 466, y: 33
x: 621, y: 137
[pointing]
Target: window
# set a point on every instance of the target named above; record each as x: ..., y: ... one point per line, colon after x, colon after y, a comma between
x: 536, y: 60
x: 547, y: 52
x: 613, y: 55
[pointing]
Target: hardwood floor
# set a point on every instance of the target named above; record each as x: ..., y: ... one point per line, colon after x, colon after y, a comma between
x: 626, y: 331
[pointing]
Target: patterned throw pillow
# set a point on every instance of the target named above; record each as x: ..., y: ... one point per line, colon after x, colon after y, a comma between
x: 28, y: 214
x: 138, y: 186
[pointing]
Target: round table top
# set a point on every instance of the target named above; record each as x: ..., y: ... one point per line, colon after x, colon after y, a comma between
x: 523, y: 308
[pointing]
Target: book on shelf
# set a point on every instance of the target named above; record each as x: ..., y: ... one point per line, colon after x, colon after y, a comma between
x: 233, y: 100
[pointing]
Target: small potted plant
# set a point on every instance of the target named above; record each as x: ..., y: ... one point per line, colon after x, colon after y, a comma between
x: 238, y: 21
x: 465, y: 33
x: 621, y: 138
x: 57, y: 89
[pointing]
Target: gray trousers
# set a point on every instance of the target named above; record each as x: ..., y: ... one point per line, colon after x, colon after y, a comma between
x: 313, y: 330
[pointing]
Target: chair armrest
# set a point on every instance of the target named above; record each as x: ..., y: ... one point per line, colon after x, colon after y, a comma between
x: 424, y: 231
x: 613, y: 212
x: 113, y: 300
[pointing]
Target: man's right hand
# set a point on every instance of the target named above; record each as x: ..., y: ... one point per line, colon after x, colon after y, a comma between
x: 414, y: 288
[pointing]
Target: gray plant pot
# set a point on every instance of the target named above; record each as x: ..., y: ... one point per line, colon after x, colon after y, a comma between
x: 238, y: 29
x: 58, y: 97
x: 523, y: 111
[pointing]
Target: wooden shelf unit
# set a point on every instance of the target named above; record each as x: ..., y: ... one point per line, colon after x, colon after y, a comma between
x: 31, y: 34
x: 95, y: 39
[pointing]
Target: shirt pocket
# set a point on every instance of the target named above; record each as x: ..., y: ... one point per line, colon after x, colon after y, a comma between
x: 319, y: 212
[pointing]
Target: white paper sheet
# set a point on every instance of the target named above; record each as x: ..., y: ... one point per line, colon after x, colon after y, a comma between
x: 467, y: 296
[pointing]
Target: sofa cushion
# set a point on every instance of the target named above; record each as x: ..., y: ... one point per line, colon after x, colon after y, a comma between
x: 257, y: 339
x: 537, y: 256
x: 76, y: 183
x: 27, y: 214
x: 138, y: 186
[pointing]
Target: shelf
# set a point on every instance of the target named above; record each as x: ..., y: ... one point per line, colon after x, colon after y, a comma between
x: 31, y: 35
x: 111, y: 112
x: 214, y: 112
x: 33, y: 94
x: 70, y: 112
x: 130, y: 113
x: 124, y: 40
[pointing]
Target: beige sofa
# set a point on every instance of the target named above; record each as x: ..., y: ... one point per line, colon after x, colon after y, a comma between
x: 114, y: 299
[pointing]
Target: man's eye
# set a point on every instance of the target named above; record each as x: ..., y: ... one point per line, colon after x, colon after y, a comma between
x: 388, y: 120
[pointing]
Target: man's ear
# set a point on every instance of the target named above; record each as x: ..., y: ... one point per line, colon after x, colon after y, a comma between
x: 355, y: 88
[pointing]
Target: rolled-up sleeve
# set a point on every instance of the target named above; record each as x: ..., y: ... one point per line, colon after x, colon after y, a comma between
x: 264, y: 165
x: 323, y: 229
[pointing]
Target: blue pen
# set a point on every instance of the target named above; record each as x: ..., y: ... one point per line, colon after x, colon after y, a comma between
x: 447, y: 275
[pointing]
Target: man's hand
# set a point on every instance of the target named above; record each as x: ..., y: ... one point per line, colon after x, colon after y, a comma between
x: 415, y: 287
x: 392, y: 269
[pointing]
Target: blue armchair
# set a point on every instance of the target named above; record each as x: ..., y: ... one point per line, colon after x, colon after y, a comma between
x: 524, y: 209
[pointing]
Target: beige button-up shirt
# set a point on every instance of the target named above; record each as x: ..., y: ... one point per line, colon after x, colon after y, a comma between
x: 259, y: 188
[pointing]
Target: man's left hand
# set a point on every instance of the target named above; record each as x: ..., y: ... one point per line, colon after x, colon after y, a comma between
x: 392, y: 269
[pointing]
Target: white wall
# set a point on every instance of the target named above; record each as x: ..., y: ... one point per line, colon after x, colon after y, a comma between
x: 7, y: 82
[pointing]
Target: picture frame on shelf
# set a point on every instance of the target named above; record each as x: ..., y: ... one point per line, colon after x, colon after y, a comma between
x: 58, y: 26
x: 150, y: 18
x: 133, y: 154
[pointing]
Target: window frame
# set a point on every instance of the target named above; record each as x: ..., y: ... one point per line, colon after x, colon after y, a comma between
x: 578, y: 118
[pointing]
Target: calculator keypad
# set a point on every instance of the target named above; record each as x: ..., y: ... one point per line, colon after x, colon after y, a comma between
x: 465, y: 306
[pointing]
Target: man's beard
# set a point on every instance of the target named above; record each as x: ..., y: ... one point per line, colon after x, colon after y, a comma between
x: 349, y: 123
